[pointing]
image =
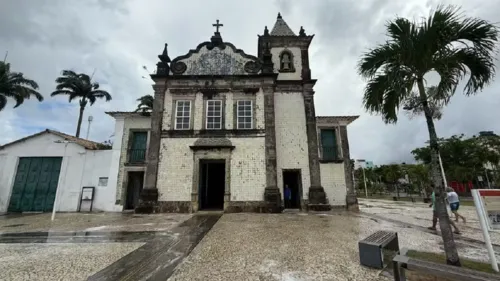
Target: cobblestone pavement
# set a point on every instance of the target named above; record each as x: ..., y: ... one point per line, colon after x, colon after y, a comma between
x: 63, y: 261
x: 301, y: 246
x: 419, y: 216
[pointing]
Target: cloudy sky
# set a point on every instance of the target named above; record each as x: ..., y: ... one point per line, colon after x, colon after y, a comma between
x: 115, y: 38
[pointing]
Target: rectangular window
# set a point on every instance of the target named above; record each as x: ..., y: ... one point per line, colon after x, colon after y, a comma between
x: 183, y: 115
x: 214, y: 114
x: 328, y: 144
x: 244, y: 114
x: 137, y: 152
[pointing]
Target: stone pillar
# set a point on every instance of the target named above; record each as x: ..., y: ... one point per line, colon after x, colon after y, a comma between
x: 272, y: 194
x: 317, y: 196
x: 351, y: 199
x: 149, y: 195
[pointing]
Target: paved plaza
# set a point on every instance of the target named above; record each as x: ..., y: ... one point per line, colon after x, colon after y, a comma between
x: 216, y: 246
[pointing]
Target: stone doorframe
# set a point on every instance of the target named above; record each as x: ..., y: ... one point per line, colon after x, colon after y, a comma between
x: 210, y: 154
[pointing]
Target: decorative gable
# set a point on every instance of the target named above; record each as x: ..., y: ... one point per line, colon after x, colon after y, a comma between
x: 216, y: 58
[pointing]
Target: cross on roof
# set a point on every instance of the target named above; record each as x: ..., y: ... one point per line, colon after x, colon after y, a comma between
x: 217, y: 25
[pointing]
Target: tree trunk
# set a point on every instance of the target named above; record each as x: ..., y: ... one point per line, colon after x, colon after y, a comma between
x: 79, y: 125
x: 450, y: 247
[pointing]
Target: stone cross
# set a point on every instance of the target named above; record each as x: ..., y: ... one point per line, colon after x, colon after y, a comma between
x: 217, y: 25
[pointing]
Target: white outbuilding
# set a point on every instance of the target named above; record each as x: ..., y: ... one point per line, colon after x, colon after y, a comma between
x: 36, y: 168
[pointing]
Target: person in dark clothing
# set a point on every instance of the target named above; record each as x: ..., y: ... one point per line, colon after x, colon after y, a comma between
x: 288, y: 196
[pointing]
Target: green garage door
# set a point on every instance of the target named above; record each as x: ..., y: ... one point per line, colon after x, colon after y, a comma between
x: 35, y: 184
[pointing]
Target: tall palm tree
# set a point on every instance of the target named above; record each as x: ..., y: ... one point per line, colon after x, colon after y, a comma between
x: 447, y: 43
x: 145, y: 103
x: 79, y: 86
x: 15, y: 85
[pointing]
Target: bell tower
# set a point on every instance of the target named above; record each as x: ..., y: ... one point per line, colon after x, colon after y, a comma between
x: 290, y: 52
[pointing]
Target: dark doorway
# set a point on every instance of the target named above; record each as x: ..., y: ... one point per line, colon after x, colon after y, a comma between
x: 134, y: 188
x: 292, y: 179
x: 212, y: 184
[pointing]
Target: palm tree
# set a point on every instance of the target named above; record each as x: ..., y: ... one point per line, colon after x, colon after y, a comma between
x: 145, y: 103
x: 15, y: 85
x: 79, y: 86
x: 447, y: 43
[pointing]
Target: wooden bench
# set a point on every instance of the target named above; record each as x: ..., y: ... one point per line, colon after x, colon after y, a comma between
x: 371, y: 249
x: 402, y: 263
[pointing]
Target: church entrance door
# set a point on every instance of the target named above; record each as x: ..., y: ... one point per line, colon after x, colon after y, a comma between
x: 212, y: 184
x: 292, y: 179
x: 134, y: 188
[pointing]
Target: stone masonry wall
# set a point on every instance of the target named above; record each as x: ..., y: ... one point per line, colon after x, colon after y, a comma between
x: 131, y: 122
x: 175, y: 172
x: 248, y: 169
x: 175, y: 169
x: 291, y: 137
x: 333, y: 181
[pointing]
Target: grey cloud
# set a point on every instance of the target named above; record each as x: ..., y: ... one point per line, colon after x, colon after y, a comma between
x: 118, y: 37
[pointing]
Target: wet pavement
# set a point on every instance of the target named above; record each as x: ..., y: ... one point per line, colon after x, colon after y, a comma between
x: 90, y: 222
x: 246, y: 246
x: 79, y: 246
x: 418, y: 216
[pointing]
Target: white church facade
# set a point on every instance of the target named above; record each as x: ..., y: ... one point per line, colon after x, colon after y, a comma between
x: 229, y: 131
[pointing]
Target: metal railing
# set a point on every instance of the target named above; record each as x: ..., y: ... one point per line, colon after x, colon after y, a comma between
x: 137, y: 155
x: 329, y: 153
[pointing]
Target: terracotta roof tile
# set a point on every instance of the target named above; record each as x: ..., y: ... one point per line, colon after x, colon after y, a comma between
x: 91, y: 145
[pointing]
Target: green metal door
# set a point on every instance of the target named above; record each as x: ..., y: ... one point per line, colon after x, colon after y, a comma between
x: 35, y: 184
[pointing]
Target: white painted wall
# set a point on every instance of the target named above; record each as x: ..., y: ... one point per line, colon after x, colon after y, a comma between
x: 297, y: 63
x: 77, y: 169
x: 115, y: 163
x: 291, y: 137
x: 97, y: 165
x: 333, y: 181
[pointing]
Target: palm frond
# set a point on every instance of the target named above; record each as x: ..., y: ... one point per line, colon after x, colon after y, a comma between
x: 3, y: 102
x: 101, y: 94
x: 69, y: 73
x: 374, y: 59
x: 60, y: 92
x: 27, y: 92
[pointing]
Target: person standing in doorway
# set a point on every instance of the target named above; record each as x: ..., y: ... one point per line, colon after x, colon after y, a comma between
x: 435, y: 215
x: 454, y: 203
x: 288, y: 196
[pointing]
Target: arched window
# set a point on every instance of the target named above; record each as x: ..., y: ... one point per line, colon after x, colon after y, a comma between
x: 286, y: 61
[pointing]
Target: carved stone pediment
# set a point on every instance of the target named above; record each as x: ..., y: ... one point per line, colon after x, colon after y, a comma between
x: 216, y: 59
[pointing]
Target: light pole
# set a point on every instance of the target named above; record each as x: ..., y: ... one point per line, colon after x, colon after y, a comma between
x: 88, y: 128
x: 442, y: 170
x: 56, y: 199
x: 364, y: 179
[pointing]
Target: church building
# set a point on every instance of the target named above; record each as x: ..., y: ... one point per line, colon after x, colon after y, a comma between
x: 230, y: 130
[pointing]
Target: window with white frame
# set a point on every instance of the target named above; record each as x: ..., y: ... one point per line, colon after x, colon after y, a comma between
x: 244, y: 114
x: 214, y: 114
x: 183, y: 115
